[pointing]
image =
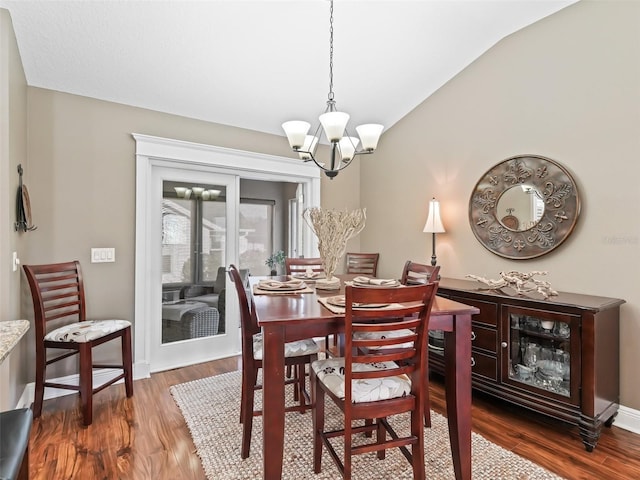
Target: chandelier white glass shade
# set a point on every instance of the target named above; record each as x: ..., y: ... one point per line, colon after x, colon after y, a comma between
x: 197, y: 192
x: 333, y: 124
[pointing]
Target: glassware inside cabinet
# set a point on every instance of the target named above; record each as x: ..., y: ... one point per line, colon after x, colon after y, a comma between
x: 540, y: 353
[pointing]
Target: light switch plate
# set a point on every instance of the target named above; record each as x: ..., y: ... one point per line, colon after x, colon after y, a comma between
x: 103, y: 255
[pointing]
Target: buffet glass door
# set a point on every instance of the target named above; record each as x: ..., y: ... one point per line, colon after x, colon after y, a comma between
x: 542, y: 349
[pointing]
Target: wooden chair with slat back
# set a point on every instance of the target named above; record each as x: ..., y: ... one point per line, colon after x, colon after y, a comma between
x: 293, y: 266
x: 414, y: 274
x: 60, y: 320
x: 353, y: 382
x: 297, y: 355
x: 363, y: 263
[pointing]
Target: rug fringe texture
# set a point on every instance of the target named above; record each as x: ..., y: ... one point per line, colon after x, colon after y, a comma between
x: 211, y: 409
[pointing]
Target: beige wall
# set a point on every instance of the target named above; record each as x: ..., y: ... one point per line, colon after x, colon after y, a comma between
x: 82, y: 184
x: 13, y: 151
x: 567, y: 88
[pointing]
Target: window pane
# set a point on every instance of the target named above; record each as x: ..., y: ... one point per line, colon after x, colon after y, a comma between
x: 176, y: 240
x: 256, y: 236
x: 213, y: 249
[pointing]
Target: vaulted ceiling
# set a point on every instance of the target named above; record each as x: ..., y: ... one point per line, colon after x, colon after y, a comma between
x: 255, y: 64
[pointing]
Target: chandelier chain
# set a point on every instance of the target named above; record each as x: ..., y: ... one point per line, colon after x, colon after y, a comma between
x: 331, y: 52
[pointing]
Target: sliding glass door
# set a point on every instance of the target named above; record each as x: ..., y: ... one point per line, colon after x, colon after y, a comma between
x: 197, y: 240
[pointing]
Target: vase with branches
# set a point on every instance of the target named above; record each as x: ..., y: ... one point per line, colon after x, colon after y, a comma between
x: 333, y: 228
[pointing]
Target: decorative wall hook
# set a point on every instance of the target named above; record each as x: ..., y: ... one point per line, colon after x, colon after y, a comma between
x: 23, y: 207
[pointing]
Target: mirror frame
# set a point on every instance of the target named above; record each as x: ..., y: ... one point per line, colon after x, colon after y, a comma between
x: 561, y: 212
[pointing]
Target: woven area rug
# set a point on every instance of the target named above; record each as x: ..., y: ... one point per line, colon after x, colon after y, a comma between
x: 210, y: 407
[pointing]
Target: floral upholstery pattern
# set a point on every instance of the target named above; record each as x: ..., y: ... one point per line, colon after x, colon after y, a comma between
x: 382, y: 335
x: 331, y: 373
x: 299, y: 348
x: 82, y: 332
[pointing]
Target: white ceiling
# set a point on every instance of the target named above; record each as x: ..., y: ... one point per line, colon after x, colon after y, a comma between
x: 255, y: 64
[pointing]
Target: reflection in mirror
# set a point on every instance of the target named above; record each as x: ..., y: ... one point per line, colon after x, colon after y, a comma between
x: 524, y: 207
x: 520, y: 207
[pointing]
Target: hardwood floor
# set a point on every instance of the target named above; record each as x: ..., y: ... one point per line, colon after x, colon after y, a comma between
x: 145, y: 437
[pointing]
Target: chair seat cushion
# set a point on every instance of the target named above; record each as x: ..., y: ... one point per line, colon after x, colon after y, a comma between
x: 381, y: 335
x: 82, y: 332
x: 331, y: 373
x: 299, y: 348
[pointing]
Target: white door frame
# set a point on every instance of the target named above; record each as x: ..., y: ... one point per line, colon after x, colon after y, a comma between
x: 151, y: 151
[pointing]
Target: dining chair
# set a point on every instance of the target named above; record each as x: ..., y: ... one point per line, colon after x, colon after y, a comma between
x: 378, y: 376
x: 59, y: 301
x: 294, y: 265
x: 363, y: 263
x: 412, y: 274
x: 416, y: 273
x: 297, y: 355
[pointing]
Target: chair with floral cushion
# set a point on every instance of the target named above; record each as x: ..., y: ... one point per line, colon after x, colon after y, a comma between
x: 297, y: 355
x: 58, y: 297
x: 379, y: 376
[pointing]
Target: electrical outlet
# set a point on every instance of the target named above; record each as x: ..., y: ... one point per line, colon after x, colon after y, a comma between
x: 103, y: 255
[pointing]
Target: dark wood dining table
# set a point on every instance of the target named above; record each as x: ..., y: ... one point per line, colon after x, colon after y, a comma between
x: 289, y: 317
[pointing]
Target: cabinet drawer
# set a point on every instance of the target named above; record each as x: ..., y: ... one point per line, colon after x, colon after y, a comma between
x: 484, y: 338
x: 488, y: 310
x: 484, y: 365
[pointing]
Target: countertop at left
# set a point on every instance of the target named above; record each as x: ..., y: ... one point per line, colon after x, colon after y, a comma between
x: 11, y: 332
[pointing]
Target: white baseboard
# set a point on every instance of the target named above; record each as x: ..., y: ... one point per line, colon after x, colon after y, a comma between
x: 628, y: 419
x: 140, y: 370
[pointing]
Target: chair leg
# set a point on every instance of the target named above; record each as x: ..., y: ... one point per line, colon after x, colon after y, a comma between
x: 296, y: 389
x: 289, y: 371
x: 39, y: 392
x: 417, y: 450
x: 127, y: 361
x: 86, y: 382
x: 381, y: 436
x: 348, y: 437
x: 247, y: 421
x: 300, y: 386
x: 427, y: 400
x: 317, y: 401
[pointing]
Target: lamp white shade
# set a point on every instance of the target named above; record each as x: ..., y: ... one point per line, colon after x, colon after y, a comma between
x: 369, y: 135
x: 180, y: 191
x: 308, y: 147
x: 213, y: 193
x: 296, y: 131
x: 348, y: 147
x: 334, y: 124
x: 197, y: 191
x: 434, y: 223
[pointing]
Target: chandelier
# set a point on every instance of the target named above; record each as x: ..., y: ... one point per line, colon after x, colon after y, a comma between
x: 344, y: 147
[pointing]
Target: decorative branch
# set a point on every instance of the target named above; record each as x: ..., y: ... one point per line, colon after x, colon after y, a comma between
x: 333, y: 229
x: 521, y: 282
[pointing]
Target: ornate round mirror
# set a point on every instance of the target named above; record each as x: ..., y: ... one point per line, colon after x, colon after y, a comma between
x: 524, y: 207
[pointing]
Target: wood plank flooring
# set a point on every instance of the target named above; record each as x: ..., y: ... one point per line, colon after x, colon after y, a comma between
x: 145, y: 437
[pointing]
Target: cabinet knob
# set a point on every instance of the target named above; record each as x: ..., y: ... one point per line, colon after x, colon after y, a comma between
x: 504, y: 344
x: 473, y: 335
x: 473, y: 362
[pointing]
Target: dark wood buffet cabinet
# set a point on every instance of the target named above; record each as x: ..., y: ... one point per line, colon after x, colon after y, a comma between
x: 559, y: 356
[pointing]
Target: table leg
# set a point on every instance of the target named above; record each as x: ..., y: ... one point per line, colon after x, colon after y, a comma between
x: 273, y: 401
x: 458, y: 394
